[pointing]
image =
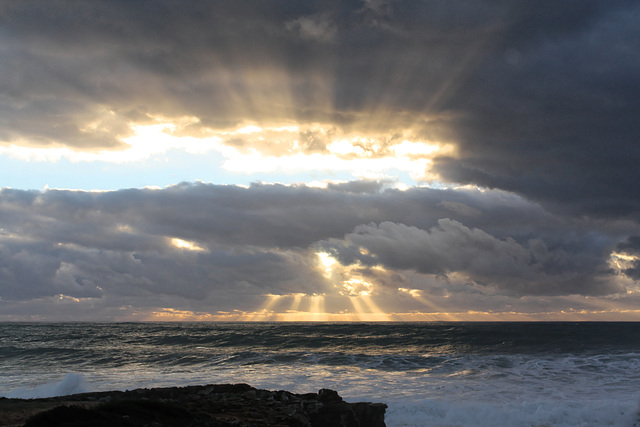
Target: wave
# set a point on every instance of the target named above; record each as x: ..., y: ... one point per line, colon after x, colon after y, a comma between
x: 430, y: 374
x: 462, y: 413
x: 72, y: 383
x: 455, y: 408
x: 469, y: 338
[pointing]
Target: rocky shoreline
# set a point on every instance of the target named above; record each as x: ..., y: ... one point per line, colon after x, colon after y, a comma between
x: 223, y: 405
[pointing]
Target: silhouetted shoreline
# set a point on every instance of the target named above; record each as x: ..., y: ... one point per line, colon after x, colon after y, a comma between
x: 208, y: 405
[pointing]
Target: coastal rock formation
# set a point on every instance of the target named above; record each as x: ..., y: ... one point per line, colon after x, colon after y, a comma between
x: 237, y: 405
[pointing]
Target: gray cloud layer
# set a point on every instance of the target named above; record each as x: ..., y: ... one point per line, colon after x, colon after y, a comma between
x: 262, y: 240
x: 541, y: 97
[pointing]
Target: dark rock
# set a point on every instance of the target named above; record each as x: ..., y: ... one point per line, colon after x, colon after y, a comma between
x: 123, y: 413
x: 226, y: 405
x: 329, y: 396
x: 370, y: 414
x: 339, y: 414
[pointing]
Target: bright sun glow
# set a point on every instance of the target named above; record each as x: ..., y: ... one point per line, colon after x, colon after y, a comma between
x: 327, y: 262
x: 185, y: 244
x: 253, y: 149
x: 249, y: 129
x: 360, y: 167
x: 622, y: 261
x: 351, y: 288
x: 357, y: 287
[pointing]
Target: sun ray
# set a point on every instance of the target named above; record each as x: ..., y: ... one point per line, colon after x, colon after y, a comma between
x: 316, y: 308
x: 295, y: 304
x: 374, y: 309
x: 265, y: 312
x: 357, y: 307
x: 418, y: 296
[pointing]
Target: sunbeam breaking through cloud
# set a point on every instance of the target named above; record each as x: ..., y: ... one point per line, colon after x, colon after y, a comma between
x: 365, y: 161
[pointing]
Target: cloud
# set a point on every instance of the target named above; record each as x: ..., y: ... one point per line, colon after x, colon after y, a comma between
x: 550, y: 113
x: 540, y: 100
x: 451, y: 247
x: 320, y: 28
x: 631, y: 249
x: 209, y: 248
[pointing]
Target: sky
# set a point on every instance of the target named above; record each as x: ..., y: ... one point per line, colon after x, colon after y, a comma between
x: 370, y: 160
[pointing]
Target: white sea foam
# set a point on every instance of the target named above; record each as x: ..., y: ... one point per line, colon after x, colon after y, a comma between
x: 482, y: 392
x: 461, y: 413
x: 72, y: 383
x: 408, y: 407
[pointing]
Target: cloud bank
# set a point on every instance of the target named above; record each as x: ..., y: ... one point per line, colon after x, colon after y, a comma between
x: 215, y: 248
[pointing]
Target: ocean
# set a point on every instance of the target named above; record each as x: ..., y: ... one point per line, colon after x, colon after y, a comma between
x: 430, y: 374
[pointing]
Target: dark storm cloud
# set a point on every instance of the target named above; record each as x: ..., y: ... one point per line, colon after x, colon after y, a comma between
x: 542, y: 97
x: 262, y: 240
x: 552, y: 110
x: 67, y: 64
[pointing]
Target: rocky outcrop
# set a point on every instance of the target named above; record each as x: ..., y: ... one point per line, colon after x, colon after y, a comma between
x: 238, y: 405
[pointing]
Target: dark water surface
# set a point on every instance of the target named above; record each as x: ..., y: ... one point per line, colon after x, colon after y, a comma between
x: 530, y: 373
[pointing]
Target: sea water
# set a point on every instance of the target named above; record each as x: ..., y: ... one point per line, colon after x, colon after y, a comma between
x: 430, y: 374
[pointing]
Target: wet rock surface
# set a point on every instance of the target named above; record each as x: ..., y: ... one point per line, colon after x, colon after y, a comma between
x: 238, y: 405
